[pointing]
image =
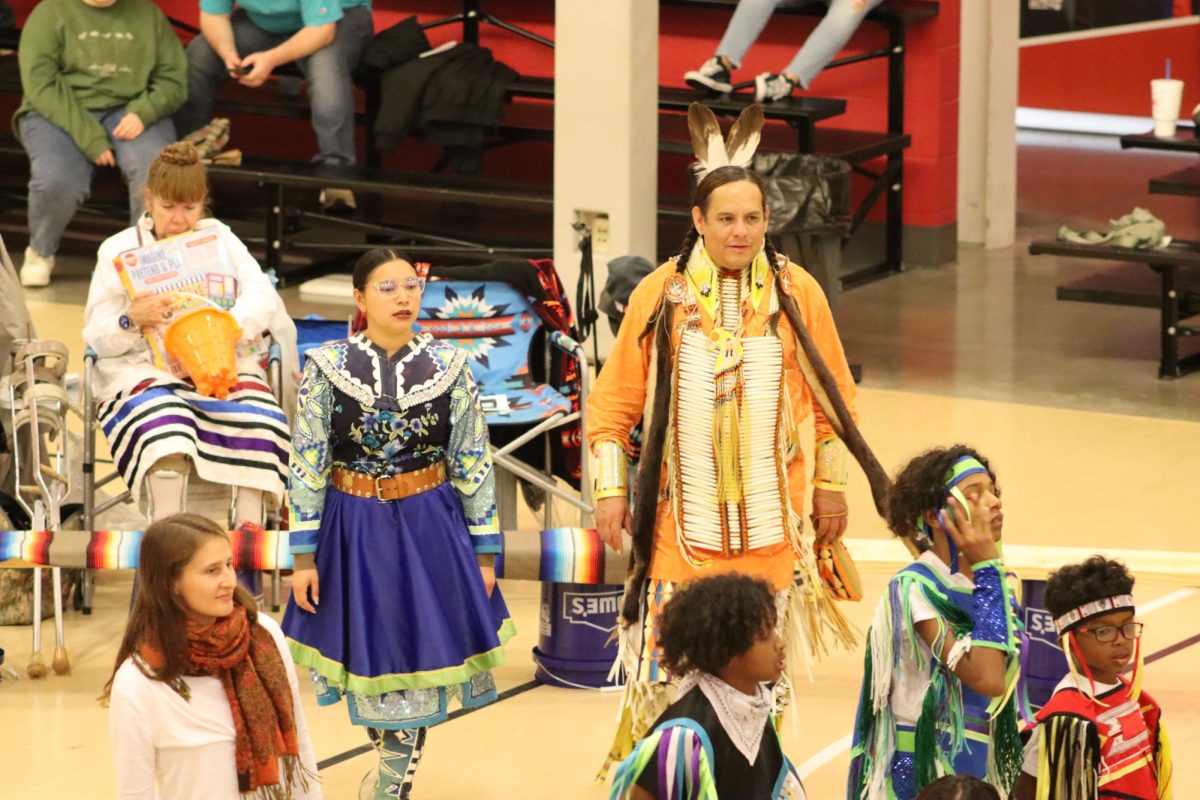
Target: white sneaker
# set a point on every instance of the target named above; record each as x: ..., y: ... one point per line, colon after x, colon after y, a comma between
x: 36, y: 270
x: 770, y: 87
x: 335, y: 200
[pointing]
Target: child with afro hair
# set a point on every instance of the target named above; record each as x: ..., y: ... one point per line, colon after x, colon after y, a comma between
x: 718, y: 636
x: 1099, y: 735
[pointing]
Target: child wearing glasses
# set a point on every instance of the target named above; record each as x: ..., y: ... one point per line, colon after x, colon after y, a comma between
x: 393, y: 526
x: 1100, y: 735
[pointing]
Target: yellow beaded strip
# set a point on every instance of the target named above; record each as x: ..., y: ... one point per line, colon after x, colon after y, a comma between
x: 833, y: 465
x: 612, y: 470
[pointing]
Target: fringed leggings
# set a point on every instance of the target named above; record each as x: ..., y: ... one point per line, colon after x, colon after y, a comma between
x: 399, y: 755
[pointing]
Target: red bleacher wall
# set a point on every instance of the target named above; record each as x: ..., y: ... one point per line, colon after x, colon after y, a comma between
x: 688, y: 36
x: 1110, y: 74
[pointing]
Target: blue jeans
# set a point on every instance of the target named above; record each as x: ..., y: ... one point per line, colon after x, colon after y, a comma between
x: 327, y: 72
x: 822, y: 44
x: 60, y: 174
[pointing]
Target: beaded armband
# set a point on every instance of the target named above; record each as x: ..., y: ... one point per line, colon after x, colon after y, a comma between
x: 612, y: 470
x: 833, y: 465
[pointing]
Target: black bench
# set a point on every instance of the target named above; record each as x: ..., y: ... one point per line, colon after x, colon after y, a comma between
x: 895, y: 16
x: 801, y: 113
x: 1184, y: 140
x: 1167, y: 279
x: 1182, y: 183
x: 276, y: 176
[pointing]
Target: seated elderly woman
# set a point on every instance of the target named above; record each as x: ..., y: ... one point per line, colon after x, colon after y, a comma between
x: 159, y: 425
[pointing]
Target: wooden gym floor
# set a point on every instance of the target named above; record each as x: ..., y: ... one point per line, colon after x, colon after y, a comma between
x: 1091, y: 450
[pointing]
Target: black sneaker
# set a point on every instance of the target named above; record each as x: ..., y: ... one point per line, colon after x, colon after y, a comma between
x: 769, y: 87
x: 713, y: 75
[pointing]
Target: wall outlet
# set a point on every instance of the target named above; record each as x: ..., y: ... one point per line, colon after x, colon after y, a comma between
x: 600, y: 233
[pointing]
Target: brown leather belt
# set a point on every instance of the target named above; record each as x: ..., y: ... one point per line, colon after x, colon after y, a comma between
x: 396, y: 487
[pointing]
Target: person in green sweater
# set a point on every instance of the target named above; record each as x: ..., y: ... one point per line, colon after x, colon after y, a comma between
x: 101, y: 79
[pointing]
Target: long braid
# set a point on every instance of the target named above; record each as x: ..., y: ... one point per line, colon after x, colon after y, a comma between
x: 685, y: 250
x: 772, y: 255
x: 681, y: 259
x: 650, y: 470
x: 826, y: 392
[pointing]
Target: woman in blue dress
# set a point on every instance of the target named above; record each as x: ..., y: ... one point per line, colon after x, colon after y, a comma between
x: 393, y: 526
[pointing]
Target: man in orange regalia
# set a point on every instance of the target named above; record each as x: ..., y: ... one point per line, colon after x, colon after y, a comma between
x: 724, y: 352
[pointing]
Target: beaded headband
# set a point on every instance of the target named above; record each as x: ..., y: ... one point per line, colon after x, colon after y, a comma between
x: 1092, y: 609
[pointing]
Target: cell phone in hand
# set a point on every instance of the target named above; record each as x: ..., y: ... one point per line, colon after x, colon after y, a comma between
x: 240, y: 71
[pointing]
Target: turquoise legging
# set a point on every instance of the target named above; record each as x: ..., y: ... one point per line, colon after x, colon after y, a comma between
x: 399, y: 755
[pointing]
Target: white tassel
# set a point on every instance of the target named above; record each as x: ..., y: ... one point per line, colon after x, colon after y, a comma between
x: 960, y: 649
x: 883, y: 742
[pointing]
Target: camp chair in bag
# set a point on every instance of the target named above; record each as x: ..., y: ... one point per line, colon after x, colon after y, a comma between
x: 495, y: 325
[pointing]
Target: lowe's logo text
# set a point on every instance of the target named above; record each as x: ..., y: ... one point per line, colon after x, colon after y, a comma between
x: 595, y: 611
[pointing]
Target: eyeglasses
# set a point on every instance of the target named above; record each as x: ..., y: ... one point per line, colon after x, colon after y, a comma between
x: 388, y: 288
x: 1108, y: 633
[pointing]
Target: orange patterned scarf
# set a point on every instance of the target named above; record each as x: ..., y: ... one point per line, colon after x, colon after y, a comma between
x: 243, y: 656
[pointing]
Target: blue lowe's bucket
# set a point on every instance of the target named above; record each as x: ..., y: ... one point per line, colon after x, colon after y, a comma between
x: 1047, y: 665
x: 576, y: 641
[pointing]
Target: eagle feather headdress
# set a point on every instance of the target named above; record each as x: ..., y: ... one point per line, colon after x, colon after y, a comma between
x: 714, y: 150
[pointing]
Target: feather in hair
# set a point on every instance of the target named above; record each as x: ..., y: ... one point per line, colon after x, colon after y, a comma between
x: 744, y: 136
x: 707, y: 141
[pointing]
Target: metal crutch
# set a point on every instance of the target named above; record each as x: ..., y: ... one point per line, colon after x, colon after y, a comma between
x: 45, y: 510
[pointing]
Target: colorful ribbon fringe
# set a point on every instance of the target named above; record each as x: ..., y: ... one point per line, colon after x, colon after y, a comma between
x: 557, y: 555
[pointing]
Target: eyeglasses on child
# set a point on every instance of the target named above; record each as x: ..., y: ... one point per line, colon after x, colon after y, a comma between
x: 1108, y: 633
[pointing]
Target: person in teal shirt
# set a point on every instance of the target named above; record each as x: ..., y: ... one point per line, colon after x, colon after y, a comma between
x: 100, y: 81
x: 325, y: 38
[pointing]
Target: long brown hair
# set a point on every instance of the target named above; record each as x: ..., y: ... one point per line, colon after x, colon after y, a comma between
x: 158, y: 617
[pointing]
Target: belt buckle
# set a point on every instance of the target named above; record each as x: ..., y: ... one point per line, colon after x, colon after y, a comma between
x: 379, y: 488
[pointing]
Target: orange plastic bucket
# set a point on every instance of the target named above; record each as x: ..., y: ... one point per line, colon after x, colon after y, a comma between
x: 204, y: 342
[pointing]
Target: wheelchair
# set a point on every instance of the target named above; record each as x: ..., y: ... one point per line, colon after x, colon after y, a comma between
x: 93, y: 483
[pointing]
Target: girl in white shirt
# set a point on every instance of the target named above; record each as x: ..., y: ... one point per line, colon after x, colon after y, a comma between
x: 203, y: 701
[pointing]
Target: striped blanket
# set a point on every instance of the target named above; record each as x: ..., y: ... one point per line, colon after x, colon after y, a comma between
x: 558, y: 555
x: 242, y: 440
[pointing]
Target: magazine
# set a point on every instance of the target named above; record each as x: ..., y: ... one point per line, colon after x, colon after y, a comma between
x: 194, y: 265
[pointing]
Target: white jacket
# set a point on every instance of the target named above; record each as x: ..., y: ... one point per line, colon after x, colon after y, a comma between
x: 125, y: 359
